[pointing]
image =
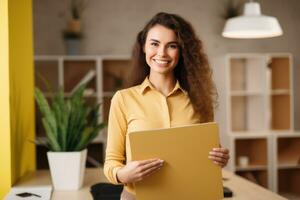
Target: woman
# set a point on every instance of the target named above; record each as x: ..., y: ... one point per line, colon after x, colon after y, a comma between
x: 171, y: 86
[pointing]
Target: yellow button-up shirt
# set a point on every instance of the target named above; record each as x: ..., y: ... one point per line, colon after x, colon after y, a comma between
x: 139, y: 108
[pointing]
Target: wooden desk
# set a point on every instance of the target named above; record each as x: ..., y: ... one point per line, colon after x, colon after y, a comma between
x: 246, y: 190
x: 242, y: 189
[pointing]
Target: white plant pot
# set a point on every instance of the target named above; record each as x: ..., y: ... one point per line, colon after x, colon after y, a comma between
x: 67, y: 169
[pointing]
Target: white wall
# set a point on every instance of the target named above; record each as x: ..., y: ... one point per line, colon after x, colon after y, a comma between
x: 110, y: 27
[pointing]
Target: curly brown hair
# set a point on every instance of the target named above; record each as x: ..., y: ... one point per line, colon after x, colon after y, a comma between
x: 192, y: 71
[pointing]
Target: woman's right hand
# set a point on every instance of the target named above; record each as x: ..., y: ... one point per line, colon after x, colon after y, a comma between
x: 135, y: 171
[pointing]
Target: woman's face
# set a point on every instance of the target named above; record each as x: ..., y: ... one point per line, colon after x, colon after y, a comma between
x: 162, y: 50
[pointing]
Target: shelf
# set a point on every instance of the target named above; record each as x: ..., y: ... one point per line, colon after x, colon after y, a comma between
x: 279, y: 68
x: 94, y: 157
x: 288, y: 166
x: 258, y: 177
x: 106, y: 107
x: 251, y: 168
x: 103, y: 74
x: 109, y: 94
x: 280, y: 92
x: 288, y: 151
x: 246, y: 93
x: 249, y: 134
x: 280, y: 112
x: 114, y: 74
x: 65, y: 57
x: 46, y: 71
x: 101, y: 138
x: 87, y: 93
x: 260, y: 118
x: 254, y: 149
x: 289, y: 180
x: 290, y: 196
x: 245, y: 115
x: 246, y: 74
x: 286, y: 134
x: 76, y: 71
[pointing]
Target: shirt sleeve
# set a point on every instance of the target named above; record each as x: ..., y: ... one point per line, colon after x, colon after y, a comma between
x: 116, y: 135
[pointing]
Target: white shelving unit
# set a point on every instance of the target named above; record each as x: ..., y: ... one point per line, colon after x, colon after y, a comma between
x: 259, y: 102
x: 104, y: 74
x: 287, y: 164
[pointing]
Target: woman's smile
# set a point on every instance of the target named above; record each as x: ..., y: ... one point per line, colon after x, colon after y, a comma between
x: 161, y: 63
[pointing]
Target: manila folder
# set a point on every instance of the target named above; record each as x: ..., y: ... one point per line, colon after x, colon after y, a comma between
x: 187, y: 172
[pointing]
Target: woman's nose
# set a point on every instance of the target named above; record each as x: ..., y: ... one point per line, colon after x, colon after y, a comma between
x: 161, y: 51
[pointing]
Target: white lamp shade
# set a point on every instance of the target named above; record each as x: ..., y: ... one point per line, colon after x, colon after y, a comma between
x: 252, y: 24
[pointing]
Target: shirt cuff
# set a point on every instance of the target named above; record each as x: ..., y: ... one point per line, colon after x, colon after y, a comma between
x: 115, y: 170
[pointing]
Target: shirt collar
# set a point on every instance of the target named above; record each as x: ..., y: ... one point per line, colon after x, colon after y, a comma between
x: 147, y: 85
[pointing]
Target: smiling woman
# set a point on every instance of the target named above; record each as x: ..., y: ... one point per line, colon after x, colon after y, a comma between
x: 162, y: 51
x: 171, y: 85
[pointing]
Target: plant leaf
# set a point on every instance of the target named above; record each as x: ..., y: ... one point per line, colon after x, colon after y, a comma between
x: 46, y: 113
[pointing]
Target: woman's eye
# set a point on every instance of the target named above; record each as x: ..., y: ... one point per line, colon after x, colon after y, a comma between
x: 154, y: 44
x: 173, y: 46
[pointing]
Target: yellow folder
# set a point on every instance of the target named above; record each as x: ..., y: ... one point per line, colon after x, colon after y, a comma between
x: 187, y: 173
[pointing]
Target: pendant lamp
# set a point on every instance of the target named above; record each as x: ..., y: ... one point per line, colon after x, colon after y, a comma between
x: 252, y: 24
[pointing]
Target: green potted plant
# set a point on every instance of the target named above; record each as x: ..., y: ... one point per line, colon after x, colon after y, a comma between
x: 70, y: 125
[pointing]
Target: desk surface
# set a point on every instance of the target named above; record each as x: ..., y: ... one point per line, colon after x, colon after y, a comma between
x: 241, y: 188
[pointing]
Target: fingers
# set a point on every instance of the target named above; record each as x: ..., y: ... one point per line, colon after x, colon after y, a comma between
x: 154, y: 163
x: 221, y: 150
x: 135, y: 171
x: 218, y: 160
x: 147, y: 168
x: 152, y: 170
x: 144, y: 162
x: 219, y: 156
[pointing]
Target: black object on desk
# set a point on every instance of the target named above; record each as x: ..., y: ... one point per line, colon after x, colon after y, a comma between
x: 227, y: 192
x: 27, y: 194
x: 106, y: 191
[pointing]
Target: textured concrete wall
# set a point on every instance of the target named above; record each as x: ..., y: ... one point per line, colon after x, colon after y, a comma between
x: 110, y: 27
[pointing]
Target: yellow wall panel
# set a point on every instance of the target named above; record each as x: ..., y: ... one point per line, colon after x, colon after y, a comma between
x: 21, y: 86
x: 5, y: 150
x: 17, y: 86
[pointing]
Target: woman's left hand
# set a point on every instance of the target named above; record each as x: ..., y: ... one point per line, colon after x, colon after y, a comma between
x: 219, y: 156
